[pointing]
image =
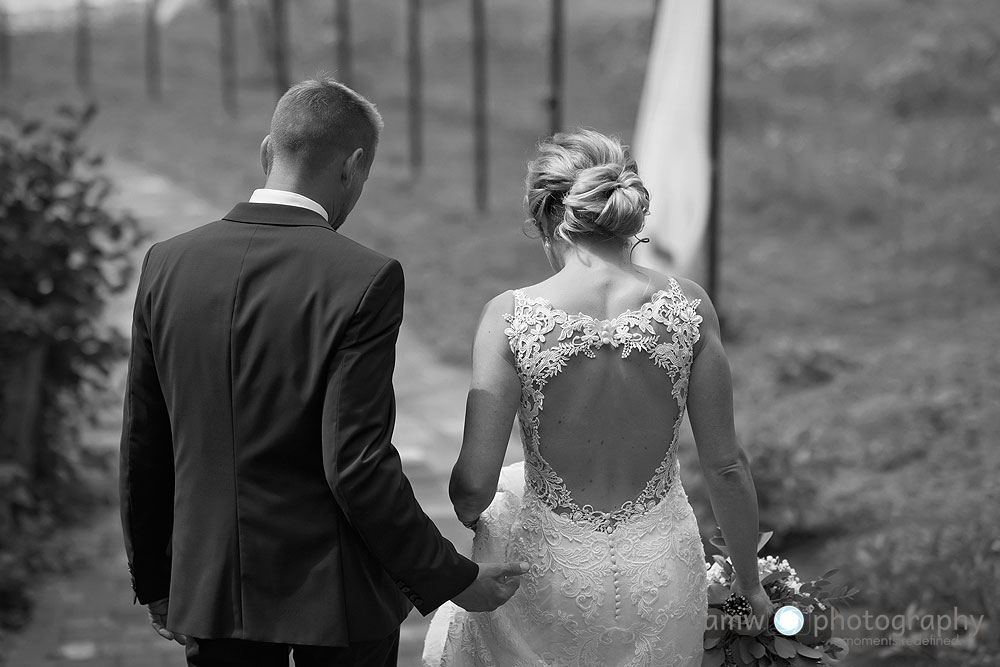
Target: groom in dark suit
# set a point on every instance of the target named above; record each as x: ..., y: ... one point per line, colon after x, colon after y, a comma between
x: 261, y: 495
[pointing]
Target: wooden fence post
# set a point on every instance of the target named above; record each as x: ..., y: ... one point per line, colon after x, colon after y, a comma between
x: 262, y: 18
x: 556, y: 72
x: 715, y: 152
x: 5, y: 50
x: 154, y: 72
x: 83, y: 46
x: 279, y: 25
x: 227, y: 58
x: 345, y: 63
x: 415, y: 79
x: 479, y: 107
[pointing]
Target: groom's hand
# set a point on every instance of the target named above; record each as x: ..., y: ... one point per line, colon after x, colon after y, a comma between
x: 496, y: 583
x: 158, y: 619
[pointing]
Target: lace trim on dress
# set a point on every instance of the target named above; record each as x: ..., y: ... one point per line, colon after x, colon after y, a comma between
x: 535, y: 318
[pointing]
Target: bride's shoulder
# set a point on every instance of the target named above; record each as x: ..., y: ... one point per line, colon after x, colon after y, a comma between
x: 689, y: 289
x: 692, y: 291
x: 491, y: 332
x: 504, y: 303
x: 497, y: 310
x: 503, y: 307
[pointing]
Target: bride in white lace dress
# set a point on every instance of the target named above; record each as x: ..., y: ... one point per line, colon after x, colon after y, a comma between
x: 599, y: 363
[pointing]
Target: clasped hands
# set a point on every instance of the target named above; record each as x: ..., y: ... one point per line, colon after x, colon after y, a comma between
x: 493, y: 586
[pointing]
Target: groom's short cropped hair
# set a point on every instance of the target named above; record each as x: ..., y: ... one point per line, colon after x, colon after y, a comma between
x: 316, y: 117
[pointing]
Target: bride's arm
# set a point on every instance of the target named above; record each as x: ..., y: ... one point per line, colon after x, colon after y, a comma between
x: 494, y: 395
x: 723, y: 461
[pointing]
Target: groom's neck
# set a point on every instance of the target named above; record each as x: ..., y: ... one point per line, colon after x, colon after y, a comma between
x: 304, y: 186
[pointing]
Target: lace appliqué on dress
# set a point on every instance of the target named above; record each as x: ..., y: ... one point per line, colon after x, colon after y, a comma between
x: 535, y: 318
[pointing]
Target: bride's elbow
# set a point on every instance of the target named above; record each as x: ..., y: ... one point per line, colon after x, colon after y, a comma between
x: 730, y: 467
x: 468, y: 492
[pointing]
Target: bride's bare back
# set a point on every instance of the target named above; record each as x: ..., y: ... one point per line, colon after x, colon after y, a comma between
x: 603, y: 372
x: 606, y: 426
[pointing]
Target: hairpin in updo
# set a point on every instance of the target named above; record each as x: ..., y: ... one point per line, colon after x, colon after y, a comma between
x: 639, y: 240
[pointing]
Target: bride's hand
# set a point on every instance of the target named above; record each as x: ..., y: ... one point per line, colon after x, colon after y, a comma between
x: 760, y: 603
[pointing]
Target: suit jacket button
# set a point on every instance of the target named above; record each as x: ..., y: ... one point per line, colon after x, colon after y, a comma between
x: 417, y: 601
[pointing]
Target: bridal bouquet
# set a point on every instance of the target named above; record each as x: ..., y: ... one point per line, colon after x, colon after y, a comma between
x: 801, y: 631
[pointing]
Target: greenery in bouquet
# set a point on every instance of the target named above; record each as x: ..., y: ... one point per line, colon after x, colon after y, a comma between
x: 733, y: 638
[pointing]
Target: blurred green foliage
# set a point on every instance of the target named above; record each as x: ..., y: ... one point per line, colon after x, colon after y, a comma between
x: 63, y: 253
x: 937, y: 570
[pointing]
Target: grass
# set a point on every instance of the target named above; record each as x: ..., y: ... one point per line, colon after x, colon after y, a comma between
x: 860, y: 247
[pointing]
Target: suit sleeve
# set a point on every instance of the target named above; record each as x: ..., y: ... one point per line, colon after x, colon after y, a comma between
x: 146, y: 472
x: 363, y: 467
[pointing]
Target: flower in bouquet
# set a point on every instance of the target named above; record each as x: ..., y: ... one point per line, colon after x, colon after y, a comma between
x: 734, y: 638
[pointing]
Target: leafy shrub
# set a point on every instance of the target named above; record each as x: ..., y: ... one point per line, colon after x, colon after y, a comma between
x: 63, y: 253
x: 936, y: 571
x: 812, y: 364
x: 787, y: 494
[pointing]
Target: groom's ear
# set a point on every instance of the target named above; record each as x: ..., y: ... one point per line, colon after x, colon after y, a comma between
x: 265, y: 155
x: 353, y: 166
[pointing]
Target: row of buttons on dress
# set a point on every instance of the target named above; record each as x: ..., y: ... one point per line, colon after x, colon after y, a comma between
x: 614, y: 574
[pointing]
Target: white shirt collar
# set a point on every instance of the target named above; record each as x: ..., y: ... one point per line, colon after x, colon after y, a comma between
x: 286, y: 198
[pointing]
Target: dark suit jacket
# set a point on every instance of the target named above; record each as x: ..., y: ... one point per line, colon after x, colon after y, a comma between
x: 260, y: 490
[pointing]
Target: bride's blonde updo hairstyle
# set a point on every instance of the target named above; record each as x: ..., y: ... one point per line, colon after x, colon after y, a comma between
x: 585, y: 186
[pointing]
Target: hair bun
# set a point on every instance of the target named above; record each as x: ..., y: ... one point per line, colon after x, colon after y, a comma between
x: 585, y: 184
x: 608, y: 200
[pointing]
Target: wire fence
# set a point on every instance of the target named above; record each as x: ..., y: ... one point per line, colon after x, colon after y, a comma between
x: 30, y: 16
x: 20, y: 18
